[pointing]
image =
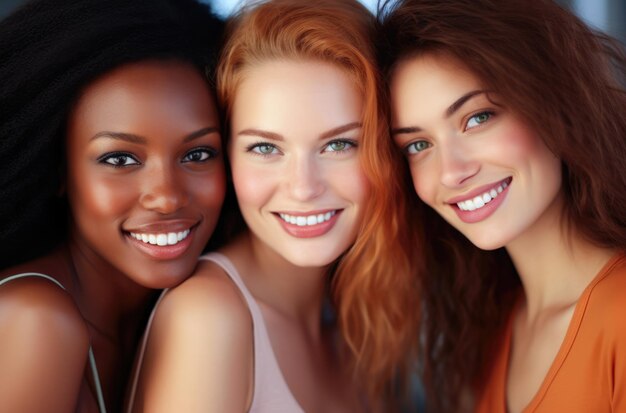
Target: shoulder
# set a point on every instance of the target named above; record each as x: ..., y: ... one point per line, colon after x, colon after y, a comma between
x: 36, y: 308
x: 202, y: 335
x: 208, y: 295
x: 44, y: 343
x: 607, y: 301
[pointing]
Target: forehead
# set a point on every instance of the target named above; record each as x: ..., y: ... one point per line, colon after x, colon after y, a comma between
x: 151, y: 92
x: 429, y: 82
x: 287, y: 95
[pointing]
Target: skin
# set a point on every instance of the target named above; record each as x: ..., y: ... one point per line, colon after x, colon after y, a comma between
x: 285, y: 158
x: 456, y: 145
x: 144, y: 156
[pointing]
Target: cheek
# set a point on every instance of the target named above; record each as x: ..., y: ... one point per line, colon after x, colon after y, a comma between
x: 209, y: 191
x: 95, y: 196
x: 253, y: 186
x: 357, y: 185
x: 424, y: 183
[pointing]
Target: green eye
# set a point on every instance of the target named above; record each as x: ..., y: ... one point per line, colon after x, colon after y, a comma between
x: 417, y: 147
x: 337, y: 146
x: 341, y: 145
x: 264, y: 149
x: 478, y: 119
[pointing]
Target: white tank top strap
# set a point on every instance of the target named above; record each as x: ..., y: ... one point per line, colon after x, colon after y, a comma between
x: 140, y: 355
x: 92, y: 359
x: 271, y: 391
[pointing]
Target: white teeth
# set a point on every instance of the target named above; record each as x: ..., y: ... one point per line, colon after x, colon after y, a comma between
x: 169, y: 238
x: 308, y: 220
x: 482, y: 200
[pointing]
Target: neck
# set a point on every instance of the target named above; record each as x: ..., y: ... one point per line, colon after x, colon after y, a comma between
x: 111, y: 302
x: 555, y: 262
x: 295, y: 292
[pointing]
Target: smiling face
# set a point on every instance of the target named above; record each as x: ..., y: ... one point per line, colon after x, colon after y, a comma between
x: 475, y: 162
x: 295, y: 132
x: 145, y: 174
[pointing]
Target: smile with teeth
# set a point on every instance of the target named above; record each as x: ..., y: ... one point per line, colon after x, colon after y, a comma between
x: 482, y: 200
x: 169, y: 238
x: 307, y: 220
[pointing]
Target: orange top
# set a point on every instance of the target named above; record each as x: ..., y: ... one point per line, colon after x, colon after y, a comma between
x: 588, y: 373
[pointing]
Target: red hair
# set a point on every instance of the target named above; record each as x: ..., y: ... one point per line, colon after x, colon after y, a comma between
x: 564, y: 80
x: 372, y: 287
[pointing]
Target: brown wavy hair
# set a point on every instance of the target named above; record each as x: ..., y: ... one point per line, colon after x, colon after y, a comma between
x: 567, y: 82
x: 372, y: 287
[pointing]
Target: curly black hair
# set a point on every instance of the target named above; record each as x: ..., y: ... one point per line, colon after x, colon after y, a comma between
x: 49, y: 51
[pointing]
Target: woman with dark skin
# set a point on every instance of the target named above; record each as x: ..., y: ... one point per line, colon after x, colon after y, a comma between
x: 511, y: 116
x: 112, y: 181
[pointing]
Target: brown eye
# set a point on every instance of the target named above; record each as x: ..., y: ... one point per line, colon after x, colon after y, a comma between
x: 118, y: 160
x: 199, y: 155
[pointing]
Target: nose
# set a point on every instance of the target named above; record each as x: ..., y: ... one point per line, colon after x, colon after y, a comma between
x: 457, y: 164
x: 304, y: 178
x: 164, y: 192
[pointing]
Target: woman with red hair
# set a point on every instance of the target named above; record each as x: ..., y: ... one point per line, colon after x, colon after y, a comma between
x: 511, y: 116
x: 314, y: 173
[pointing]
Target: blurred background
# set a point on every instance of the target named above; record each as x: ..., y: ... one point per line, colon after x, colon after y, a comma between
x: 606, y: 15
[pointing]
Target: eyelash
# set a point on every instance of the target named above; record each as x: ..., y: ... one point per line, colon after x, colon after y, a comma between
x: 251, y: 148
x: 350, y: 143
x: 211, y: 153
x: 489, y: 114
x: 408, y: 147
x: 113, y: 155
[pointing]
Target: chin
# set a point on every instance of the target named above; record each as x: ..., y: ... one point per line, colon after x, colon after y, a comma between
x: 311, y: 258
x: 486, y: 242
x: 168, y: 276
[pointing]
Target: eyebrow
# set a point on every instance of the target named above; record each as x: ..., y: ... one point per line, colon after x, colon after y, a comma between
x: 277, y: 137
x: 451, y: 110
x: 461, y: 101
x: 132, y: 138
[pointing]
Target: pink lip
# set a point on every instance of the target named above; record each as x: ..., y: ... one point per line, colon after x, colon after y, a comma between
x: 165, y: 252
x: 477, y: 191
x: 484, y: 212
x: 309, y: 231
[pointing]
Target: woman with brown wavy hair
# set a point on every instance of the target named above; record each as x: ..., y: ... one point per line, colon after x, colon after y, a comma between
x: 314, y: 173
x: 511, y: 115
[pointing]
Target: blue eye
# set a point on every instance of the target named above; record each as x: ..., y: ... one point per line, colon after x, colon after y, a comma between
x: 199, y: 155
x: 118, y: 159
x: 264, y: 149
x: 417, y: 147
x: 478, y: 119
x: 340, y: 145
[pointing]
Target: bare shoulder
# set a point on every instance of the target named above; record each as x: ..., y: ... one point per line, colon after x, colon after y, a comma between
x: 43, y: 345
x: 209, y: 292
x: 201, y: 338
x: 39, y: 306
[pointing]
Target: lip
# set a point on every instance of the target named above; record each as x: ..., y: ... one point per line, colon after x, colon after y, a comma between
x: 308, y: 231
x: 155, y: 227
x: 164, y: 252
x: 484, y: 212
